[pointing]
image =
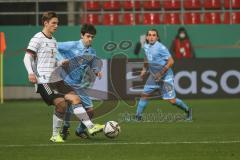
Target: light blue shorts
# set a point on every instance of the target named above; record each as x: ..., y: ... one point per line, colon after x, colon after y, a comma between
x: 165, y: 87
x: 85, y: 99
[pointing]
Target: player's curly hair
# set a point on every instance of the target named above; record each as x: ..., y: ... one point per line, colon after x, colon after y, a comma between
x: 88, y: 28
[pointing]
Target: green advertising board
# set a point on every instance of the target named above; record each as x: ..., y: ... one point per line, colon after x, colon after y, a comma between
x: 209, y: 41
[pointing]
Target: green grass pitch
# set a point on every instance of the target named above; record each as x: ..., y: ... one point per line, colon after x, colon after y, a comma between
x: 214, y: 133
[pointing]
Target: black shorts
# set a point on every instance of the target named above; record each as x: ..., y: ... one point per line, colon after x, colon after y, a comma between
x: 51, y: 91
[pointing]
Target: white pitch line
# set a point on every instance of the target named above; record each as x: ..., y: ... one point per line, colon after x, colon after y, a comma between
x: 116, y: 143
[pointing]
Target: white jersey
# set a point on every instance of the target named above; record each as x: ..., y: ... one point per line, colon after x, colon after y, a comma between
x: 45, y: 63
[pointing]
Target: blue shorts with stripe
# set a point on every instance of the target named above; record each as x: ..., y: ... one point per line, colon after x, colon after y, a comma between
x: 164, y: 87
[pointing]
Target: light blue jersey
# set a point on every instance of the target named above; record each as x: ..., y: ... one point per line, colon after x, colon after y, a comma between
x: 82, y: 64
x: 157, y: 55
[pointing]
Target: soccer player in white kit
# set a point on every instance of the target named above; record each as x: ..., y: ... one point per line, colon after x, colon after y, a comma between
x: 42, y: 67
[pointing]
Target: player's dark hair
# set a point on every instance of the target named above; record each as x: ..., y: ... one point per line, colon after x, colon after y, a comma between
x: 47, y: 16
x: 154, y: 31
x: 88, y: 28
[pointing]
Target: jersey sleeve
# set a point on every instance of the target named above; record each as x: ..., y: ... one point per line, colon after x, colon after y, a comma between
x: 34, y: 45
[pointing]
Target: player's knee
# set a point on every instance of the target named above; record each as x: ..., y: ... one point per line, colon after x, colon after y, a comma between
x: 172, y: 101
x: 60, y: 105
x: 72, y: 98
x: 144, y: 96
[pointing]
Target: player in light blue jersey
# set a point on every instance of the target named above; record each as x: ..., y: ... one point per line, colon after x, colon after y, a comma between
x: 82, y: 70
x: 158, y: 62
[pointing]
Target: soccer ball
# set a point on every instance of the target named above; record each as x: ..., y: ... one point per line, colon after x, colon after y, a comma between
x: 111, y: 129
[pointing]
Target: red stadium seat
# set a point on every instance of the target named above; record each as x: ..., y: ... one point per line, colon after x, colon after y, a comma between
x: 171, y: 18
x: 111, y: 19
x: 192, y: 4
x: 192, y: 18
x: 171, y: 4
x: 131, y: 19
x: 90, y: 18
x: 234, y: 4
x: 131, y: 4
x: 92, y: 5
x: 232, y: 18
x: 212, y: 4
x: 151, y: 18
x: 112, y: 5
x: 151, y: 5
x: 212, y: 18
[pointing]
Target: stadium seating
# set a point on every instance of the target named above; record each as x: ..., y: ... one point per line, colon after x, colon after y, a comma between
x: 192, y: 4
x: 192, y: 18
x: 131, y: 5
x: 93, y: 6
x: 111, y: 19
x: 151, y: 18
x: 172, y: 5
x: 212, y: 4
x: 171, y: 18
x: 131, y: 19
x: 90, y: 18
x: 232, y: 18
x: 111, y: 5
x: 234, y: 4
x: 151, y: 5
x: 212, y: 18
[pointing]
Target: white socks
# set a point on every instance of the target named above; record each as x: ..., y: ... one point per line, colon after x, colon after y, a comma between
x: 81, y: 113
x: 57, y: 123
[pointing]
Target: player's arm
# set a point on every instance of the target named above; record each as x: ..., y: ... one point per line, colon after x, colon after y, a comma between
x: 96, y: 64
x: 168, y: 65
x: 145, y: 68
x: 169, y: 62
x: 61, y: 61
x: 28, y: 62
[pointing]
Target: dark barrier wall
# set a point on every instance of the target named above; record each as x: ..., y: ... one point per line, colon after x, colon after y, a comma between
x: 200, y: 78
x: 209, y: 41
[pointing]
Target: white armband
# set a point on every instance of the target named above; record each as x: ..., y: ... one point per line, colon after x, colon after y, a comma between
x: 28, y: 60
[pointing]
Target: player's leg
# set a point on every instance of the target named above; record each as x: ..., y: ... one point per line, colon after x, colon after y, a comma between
x: 82, y: 115
x: 81, y: 129
x: 141, y: 106
x: 149, y: 88
x: 88, y: 105
x: 66, y: 122
x: 183, y: 106
x: 169, y: 94
x: 48, y: 95
x: 60, y: 108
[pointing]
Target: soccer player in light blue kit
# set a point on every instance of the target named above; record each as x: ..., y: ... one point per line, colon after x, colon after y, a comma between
x: 82, y: 61
x: 161, y: 79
